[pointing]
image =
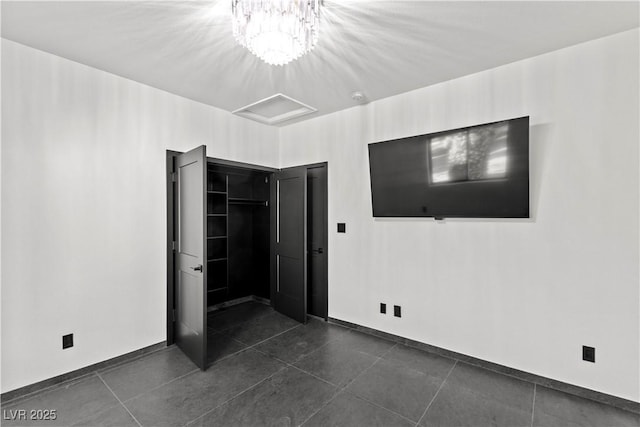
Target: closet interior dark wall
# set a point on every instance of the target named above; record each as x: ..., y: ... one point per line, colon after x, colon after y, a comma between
x: 238, y: 221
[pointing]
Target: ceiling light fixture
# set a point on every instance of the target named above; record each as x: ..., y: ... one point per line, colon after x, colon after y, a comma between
x: 276, y: 31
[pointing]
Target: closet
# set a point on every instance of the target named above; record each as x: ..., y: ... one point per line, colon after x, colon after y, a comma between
x: 237, y: 232
x: 238, y: 219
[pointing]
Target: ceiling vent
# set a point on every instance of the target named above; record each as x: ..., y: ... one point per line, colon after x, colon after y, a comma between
x: 275, y: 109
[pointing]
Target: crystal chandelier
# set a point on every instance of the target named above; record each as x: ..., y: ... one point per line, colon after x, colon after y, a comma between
x: 276, y: 31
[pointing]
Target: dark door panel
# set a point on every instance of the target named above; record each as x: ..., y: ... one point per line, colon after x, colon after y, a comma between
x: 289, y: 245
x: 191, y: 291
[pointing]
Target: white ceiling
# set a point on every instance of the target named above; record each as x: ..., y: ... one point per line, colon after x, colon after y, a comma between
x: 381, y: 48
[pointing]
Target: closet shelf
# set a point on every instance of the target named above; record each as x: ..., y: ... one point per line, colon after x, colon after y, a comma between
x: 243, y: 201
x: 216, y: 192
x: 217, y: 237
x: 217, y: 289
x: 217, y: 259
x: 217, y: 214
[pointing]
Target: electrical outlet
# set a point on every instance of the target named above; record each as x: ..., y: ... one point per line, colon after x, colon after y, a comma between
x: 383, y: 308
x: 589, y: 354
x: 342, y: 227
x: 67, y: 341
x: 397, y: 311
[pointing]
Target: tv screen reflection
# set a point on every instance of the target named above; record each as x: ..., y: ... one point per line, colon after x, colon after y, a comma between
x: 474, y: 154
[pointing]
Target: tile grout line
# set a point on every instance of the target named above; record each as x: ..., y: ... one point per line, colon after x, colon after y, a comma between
x: 226, y: 329
x: 300, y: 369
x: 533, y: 404
x: 162, y: 385
x: 309, y: 354
x: 51, y: 388
x: 436, y: 395
x: 230, y: 354
x: 370, y: 366
x: 252, y: 347
x: 219, y: 360
x: 341, y: 389
x: 215, y: 362
x: 370, y: 401
x: 43, y: 391
x: 267, y: 339
x: 71, y: 381
x: 27, y: 397
x: 134, y: 359
x: 118, y: 399
x: 233, y: 397
x: 321, y: 408
x: 379, y: 358
x: 259, y: 382
x: 290, y: 365
x: 380, y: 406
x: 302, y: 357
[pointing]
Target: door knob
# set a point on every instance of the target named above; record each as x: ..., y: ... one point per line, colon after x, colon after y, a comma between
x: 197, y: 268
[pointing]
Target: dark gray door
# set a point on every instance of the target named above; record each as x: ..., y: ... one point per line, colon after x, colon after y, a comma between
x: 191, y: 291
x: 289, y: 243
x: 317, y: 240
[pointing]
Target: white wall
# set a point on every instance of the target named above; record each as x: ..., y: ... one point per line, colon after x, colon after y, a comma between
x: 83, y: 207
x: 525, y: 294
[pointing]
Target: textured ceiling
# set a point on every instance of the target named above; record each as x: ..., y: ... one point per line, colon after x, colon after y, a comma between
x: 381, y: 48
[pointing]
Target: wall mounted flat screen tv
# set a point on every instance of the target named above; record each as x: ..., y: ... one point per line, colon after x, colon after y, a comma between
x: 474, y: 172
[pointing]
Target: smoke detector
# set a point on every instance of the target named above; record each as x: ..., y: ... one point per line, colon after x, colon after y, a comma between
x: 359, y: 97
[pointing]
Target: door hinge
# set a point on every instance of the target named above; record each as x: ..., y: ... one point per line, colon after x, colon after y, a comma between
x: 173, y: 315
x: 266, y: 179
x: 173, y: 245
x: 173, y: 177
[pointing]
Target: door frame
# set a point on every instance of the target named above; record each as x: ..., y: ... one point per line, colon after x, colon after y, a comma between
x: 171, y: 239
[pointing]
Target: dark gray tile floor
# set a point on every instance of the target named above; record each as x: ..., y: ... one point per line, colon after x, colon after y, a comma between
x: 269, y: 370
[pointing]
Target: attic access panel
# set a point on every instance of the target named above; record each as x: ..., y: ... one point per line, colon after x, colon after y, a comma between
x: 275, y: 109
